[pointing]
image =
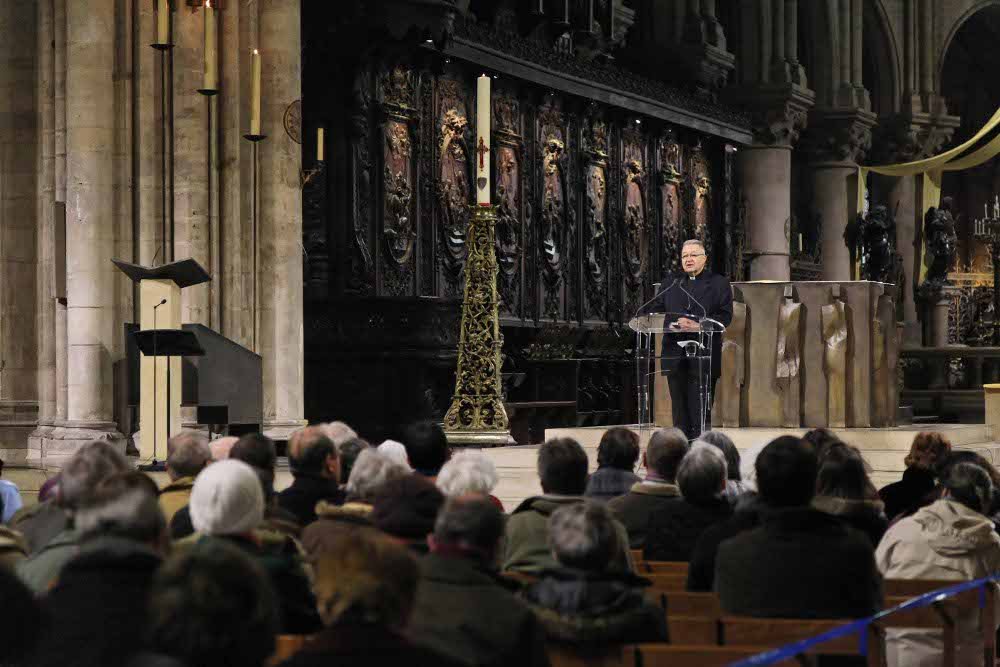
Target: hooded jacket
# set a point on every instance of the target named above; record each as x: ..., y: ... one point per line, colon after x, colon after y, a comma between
x: 945, y: 540
x: 867, y: 516
x: 526, y: 547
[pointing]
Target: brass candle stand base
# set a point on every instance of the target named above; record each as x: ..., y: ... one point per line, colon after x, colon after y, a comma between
x: 477, y: 416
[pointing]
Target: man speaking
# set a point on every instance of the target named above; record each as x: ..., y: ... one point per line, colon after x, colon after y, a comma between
x: 688, y: 299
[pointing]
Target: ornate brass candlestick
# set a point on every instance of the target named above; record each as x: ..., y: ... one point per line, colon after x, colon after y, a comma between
x: 477, y: 415
x: 987, y: 231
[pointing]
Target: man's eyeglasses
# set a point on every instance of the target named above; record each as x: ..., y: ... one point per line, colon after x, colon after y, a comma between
x: 690, y: 256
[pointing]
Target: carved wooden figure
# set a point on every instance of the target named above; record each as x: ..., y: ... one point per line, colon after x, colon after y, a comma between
x: 734, y: 350
x: 835, y: 349
x: 789, y: 358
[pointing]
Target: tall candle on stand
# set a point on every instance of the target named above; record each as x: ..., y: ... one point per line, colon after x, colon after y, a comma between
x: 483, y: 141
x: 320, y: 133
x: 162, y: 22
x: 210, y: 79
x: 255, y: 93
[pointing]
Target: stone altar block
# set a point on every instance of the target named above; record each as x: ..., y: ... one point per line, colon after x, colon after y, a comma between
x: 869, y: 389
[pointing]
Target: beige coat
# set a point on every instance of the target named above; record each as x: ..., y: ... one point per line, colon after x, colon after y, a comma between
x: 945, y: 540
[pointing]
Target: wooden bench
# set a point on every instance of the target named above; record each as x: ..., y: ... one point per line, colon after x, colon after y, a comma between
x: 285, y: 646
x: 644, y: 567
x: 666, y: 655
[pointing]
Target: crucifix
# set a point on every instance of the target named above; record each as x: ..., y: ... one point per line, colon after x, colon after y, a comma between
x: 482, y: 150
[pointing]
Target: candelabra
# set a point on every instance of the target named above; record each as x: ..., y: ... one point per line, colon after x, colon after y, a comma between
x: 987, y: 230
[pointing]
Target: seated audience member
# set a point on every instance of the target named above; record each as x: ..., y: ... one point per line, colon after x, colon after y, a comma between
x: 220, y: 447
x: 676, y: 526
x: 313, y: 459
x: 371, y: 471
x: 949, y: 539
x: 212, y: 605
x: 800, y: 562
x: 617, y: 455
x: 583, y: 600
x: 844, y: 491
x: 98, y: 606
x: 461, y: 610
x: 406, y: 509
x: 469, y: 471
x: 663, y: 454
x: 562, y: 472
x: 22, y: 623
x: 13, y: 548
x: 735, y: 487
x: 427, y: 448
x: 395, y: 451
x: 365, y: 587
x: 10, y: 498
x: 88, y: 467
x: 821, y: 439
x: 227, y: 504
x: 928, y: 451
x: 338, y: 432
x: 968, y: 456
x: 187, y: 455
x: 348, y: 455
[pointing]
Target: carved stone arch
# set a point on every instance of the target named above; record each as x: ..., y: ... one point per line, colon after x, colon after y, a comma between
x: 820, y: 58
x: 953, y: 32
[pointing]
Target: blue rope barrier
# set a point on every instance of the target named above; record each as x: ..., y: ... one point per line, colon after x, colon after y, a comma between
x: 860, y: 626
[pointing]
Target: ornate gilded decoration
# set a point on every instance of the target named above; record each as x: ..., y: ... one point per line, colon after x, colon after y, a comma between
x: 670, y: 201
x: 701, y: 192
x: 477, y: 414
x: 507, y: 114
x: 399, y: 230
x: 636, y: 223
x: 553, y: 209
x: 508, y: 228
x: 398, y: 87
x: 453, y: 188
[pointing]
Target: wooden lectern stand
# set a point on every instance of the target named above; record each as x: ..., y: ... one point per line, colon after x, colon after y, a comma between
x: 160, y: 375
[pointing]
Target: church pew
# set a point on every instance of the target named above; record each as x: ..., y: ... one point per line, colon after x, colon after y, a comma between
x: 566, y: 655
x: 644, y: 567
x: 666, y: 655
x: 665, y: 583
x: 686, y: 603
x: 285, y: 646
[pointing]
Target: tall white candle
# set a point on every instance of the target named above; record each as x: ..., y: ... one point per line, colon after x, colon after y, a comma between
x: 255, y: 93
x: 483, y: 141
x: 162, y: 22
x: 320, y: 153
x: 210, y: 80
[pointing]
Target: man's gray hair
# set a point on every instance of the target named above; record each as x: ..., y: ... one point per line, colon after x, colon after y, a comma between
x: 664, y: 452
x: 697, y: 242
x: 188, y: 453
x: 371, y: 470
x: 471, y: 522
x: 468, y: 471
x: 338, y: 432
x: 92, y: 463
x: 583, y: 535
x: 702, y: 474
x: 135, y: 514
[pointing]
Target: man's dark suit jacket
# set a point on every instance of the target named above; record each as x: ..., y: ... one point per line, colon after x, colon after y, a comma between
x: 706, y: 295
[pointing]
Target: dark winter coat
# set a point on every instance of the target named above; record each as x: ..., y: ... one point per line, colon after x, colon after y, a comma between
x: 706, y: 295
x: 580, y: 607
x: 701, y: 567
x: 356, y: 644
x: 333, y: 524
x: 799, y: 563
x: 305, y: 492
x: 607, y: 483
x: 866, y: 516
x: 635, y: 508
x: 676, y: 526
x: 462, y: 611
x: 908, y: 493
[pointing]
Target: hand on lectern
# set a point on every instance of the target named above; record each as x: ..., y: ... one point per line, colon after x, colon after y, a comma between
x: 687, y: 324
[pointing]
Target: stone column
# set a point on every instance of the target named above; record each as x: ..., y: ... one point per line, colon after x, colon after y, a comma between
x: 280, y: 270
x: 148, y: 97
x: 90, y: 242
x: 62, y: 343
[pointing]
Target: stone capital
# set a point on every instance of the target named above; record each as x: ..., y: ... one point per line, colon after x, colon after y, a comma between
x: 778, y: 112
x: 838, y: 135
x: 910, y: 136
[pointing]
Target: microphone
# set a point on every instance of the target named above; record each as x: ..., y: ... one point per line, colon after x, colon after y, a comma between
x: 704, y: 313
x: 655, y: 297
x: 159, y: 304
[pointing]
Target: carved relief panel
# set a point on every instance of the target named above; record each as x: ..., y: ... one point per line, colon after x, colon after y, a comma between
x: 453, y: 191
x: 635, y: 223
x: 595, y: 237
x: 399, y: 231
x: 552, y: 139
x: 701, y: 197
x: 360, y: 276
x: 670, y: 202
x: 509, y: 230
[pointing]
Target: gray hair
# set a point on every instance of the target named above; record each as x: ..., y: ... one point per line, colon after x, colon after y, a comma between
x: 696, y: 242
x: 371, y: 470
x: 702, y: 474
x: 970, y: 485
x: 471, y: 522
x: 188, y: 453
x: 93, y: 462
x: 583, y: 535
x: 728, y: 448
x: 125, y: 505
x: 338, y: 432
x: 468, y: 471
x: 665, y: 451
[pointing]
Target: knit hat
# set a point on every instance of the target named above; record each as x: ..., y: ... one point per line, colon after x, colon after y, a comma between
x: 226, y: 499
x: 407, y: 507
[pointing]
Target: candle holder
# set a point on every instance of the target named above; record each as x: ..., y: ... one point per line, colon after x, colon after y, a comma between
x: 308, y: 175
x: 987, y: 231
x: 255, y: 137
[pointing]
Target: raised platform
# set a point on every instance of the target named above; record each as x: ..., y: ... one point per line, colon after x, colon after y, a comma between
x: 883, y: 448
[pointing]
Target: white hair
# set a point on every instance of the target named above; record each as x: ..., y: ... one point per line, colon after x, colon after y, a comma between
x: 395, y: 451
x: 468, y: 471
x: 338, y: 432
x: 371, y: 470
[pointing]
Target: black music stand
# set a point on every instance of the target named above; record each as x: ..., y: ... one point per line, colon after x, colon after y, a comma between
x: 166, y: 343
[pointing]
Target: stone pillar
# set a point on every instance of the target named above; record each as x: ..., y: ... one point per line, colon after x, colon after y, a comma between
x: 900, y: 196
x: 280, y: 274
x: 62, y: 342
x: 149, y: 147
x: 90, y: 276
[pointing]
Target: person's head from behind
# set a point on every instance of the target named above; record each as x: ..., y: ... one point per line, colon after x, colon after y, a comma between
x: 701, y: 476
x: 618, y: 449
x: 786, y: 472
x: 562, y: 467
x: 220, y: 447
x: 92, y: 463
x: 427, y: 447
x: 124, y: 505
x: 842, y: 474
x: 349, y: 451
x: 664, y: 453
x: 213, y: 605
x: 970, y: 485
x: 407, y: 507
x: 821, y: 439
x: 188, y: 453
x: 928, y: 451
x: 469, y: 526
x: 371, y: 470
x: 365, y: 577
x: 469, y: 471
x: 312, y: 453
x: 725, y: 444
x: 583, y: 536
x: 338, y: 432
x: 975, y: 458
x: 227, y: 499
x: 392, y: 449
x: 258, y: 451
